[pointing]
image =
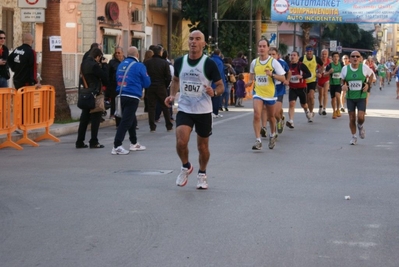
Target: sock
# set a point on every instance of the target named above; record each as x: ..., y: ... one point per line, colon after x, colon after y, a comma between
x: 320, y: 106
x: 201, y: 172
x: 187, y: 165
x: 258, y: 139
x: 360, y: 125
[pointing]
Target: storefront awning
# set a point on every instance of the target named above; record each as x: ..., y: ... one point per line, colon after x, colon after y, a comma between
x: 109, y: 31
x: 138, y: 35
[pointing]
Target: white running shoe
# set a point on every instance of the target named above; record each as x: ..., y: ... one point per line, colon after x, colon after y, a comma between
x: 257, y: 146
x: 362, y: 131
x: 353, y: 140
x: 320, y: 110
x: 183, y: 176
x: 137, y: 147
x: 201, y: 181
x: 272, y: 141
x: 119, y: 151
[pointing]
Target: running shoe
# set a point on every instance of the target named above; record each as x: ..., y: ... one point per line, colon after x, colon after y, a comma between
x: 320, y: 110
x: 280, y: 126
x: 201, y: 181
x: 353, y: 140
x: 342, y: 109
x: 334, y: 115
x: 324, y: 113
x: 257, y: 146
x: 183, y: 176
x: 272, y: 141
x: 309, y: 116
x: 290, y: 124
x: 137, y: 147
x: 362, y: 131
x: 338, y: 113
x: 119, y: 151
x: 263, y: 132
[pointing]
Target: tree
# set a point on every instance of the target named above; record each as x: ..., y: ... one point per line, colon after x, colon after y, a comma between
x: 366, y: 41
x: 52, y: 71
x: 261, y: 9
x: 346, y: 34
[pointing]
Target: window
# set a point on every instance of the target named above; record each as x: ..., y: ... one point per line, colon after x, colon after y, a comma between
x: 109, y: 44
x: 7, y: 25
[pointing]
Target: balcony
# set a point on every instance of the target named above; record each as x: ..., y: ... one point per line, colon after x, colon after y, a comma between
x: 162, y: 6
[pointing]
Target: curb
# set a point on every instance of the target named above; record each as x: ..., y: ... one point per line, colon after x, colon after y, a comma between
x: 64, y: 129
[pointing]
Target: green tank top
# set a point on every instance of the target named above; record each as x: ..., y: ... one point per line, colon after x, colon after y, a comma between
x: 355, y: 81
x: 335, y: 78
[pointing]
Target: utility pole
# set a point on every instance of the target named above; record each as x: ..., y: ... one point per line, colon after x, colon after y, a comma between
x: 250, y: 35
x: 170, y: 18
x: 209, y: 25
x: 216, y: 24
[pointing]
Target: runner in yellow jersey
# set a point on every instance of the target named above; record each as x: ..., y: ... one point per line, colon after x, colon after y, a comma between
x: 313, y: 63
x: 263, y: 71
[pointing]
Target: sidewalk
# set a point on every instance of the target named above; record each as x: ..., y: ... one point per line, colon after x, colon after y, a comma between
x: 58, y: 129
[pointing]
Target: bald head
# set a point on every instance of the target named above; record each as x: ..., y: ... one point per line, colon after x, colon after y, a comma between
x: 132, y: 51
x: 27, y: 38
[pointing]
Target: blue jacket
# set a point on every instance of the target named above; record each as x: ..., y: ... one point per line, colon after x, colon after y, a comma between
x: 136, y: 79
x: 219, y: 62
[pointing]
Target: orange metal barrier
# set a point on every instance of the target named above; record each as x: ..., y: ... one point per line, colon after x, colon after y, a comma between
x: 38, y: 111
x: 8, y: 116
x: 248, y: 89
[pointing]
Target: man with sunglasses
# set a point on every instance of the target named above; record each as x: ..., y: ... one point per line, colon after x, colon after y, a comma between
x: 356, y: 80
x: 4, y: 72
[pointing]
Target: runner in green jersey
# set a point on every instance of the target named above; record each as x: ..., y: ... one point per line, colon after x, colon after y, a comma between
x: 334, y: 71
x: 382, y: 72
x: 356, y: 80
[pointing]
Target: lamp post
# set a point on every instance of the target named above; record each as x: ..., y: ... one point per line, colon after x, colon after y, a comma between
x: 170, y: 18
x: 250, y: 34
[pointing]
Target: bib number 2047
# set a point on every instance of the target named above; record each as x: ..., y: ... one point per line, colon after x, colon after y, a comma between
x: 191, y: 88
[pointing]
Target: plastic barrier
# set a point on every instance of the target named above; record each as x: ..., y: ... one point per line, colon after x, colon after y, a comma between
x: 8, y: 116
x: 38, y: 111
x: 248, y: 89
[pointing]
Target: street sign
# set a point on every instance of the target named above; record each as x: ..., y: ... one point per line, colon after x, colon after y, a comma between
x: 32, y: 3
x: 55, y: 43
x: 32, y: 15
x: 339, y: 49
x: 333, y: 45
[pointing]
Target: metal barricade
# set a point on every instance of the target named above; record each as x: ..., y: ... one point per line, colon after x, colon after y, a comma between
x: 37, y: 106
x: 8, y: 116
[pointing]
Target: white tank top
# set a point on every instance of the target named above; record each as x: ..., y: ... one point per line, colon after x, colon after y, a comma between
x: 193, y: 97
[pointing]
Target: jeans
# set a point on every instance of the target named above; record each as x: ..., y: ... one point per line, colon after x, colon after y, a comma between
x: 226, y: 98
x: 128, y: 121
x: 85, y: 118
x: 3, y: 83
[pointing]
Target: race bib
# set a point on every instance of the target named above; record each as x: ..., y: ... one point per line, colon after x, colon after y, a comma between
x: 355, y: 85
x: 192, y: 88
x: 294, y: 79
x: 262, y: 80
x: 336, y: 75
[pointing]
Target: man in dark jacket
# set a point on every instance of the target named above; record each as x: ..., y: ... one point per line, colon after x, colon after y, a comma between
x: 4, y: 72
x: 159, y: 72
x: 22, y: 62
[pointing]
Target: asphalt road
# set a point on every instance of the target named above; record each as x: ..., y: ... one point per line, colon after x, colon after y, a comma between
x: 60, y: 206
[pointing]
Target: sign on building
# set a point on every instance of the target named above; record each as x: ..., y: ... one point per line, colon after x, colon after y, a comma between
x: 55, y: 43
x: 32, y: 3
x: 32, y: 15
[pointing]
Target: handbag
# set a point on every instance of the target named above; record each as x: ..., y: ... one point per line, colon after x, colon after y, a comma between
x: 99, y: 104
x: 232, y: 78
x: 118, y: 104
x: 86, y: 99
